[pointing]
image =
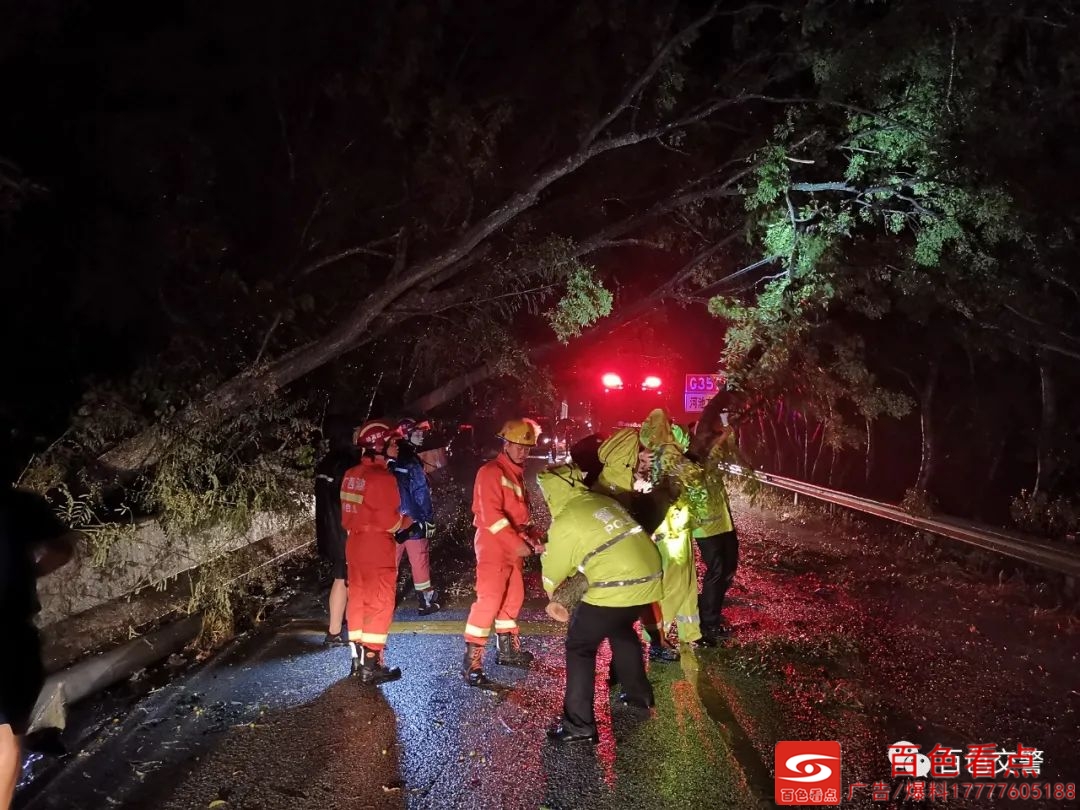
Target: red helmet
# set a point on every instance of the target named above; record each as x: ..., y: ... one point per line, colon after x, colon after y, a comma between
x: 373, y: 434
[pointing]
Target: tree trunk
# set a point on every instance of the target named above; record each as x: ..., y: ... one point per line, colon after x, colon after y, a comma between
x: 777, y: 454
x: 996, y: 454
x: 247, y: 387
x: 926, y: 422
x: 819, y: 433
x: 868, y: 463
x: 1045, y: 466
x: 763, y: 439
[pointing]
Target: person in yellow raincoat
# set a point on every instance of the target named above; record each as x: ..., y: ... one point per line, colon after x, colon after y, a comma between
x: 714, y: 529
x: 596, y: 536
x: 673, y: 472
x: 625, y: 477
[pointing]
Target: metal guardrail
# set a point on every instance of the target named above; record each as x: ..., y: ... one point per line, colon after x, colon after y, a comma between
x: 1020, y: 547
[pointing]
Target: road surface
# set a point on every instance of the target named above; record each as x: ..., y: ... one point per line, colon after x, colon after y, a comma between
x: 841, y: 634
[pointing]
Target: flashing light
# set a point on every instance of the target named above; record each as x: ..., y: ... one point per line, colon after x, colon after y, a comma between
x: 651, y: 382
x: 611, y: 380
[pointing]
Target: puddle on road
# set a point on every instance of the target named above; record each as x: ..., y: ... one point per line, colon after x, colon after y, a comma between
x: 759, y: 780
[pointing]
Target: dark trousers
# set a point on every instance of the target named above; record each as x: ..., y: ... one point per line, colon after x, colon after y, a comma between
x: 590, y: 626
x: 720, y: 554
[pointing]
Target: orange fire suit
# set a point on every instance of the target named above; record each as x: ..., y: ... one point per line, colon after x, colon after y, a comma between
x: 501, y: 516
x: 370, y: 513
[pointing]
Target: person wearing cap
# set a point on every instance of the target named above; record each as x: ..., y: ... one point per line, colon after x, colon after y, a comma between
x: 371, y: 514
x: 625, y: 475
x: 415, y: 495
x: 595, y: 535
x: 504, y: 537
x: 714, y: 529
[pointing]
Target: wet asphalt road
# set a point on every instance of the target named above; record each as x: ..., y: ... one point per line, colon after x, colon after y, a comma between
x: 273, y: 723
x: 842, y: 632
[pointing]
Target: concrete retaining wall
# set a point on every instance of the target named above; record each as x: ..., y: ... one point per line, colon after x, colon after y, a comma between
x: 147, y: 558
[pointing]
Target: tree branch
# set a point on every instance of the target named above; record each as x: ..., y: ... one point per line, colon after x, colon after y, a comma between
x: 240, y: 390
x: 361, y: 250
x: 662, y: 56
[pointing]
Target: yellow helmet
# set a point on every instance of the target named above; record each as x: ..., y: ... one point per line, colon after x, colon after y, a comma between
x: 520, y: 431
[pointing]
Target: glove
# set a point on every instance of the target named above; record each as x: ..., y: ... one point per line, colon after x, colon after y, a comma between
x: 412, y: 532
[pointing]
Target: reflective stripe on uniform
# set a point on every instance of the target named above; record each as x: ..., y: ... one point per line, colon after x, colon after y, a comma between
x: 694, y: 619
x: 321, y: 477
x: 506, y: 482
x: 505, y: 624
x: 618, y: 583
x: 498, y: 525
x: 422, y: 586
x: 356, y: 635
x: 712, y: 519
x: 372, y: 638
x: 352, y: 497
x: 606, y: 545
x: 479, y: 632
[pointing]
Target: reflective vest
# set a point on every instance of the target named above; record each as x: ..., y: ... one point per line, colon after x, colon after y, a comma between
x: 595, y: 535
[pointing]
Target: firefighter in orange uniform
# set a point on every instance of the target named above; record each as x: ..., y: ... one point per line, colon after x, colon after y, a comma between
x: 504, y: 537
x: 371, y: 513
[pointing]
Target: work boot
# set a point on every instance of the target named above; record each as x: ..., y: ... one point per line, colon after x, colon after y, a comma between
x: 510, y: 654
x: 373, y: 672
x: 714, y: 636
x: 428, y: 602
x: 472, y: 667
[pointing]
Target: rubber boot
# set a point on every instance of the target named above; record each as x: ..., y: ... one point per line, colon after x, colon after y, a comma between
x: 357, y: 659
x: 472, y: 667
x: 429, y: 602
x: 373, y: 672
x: 510, y: 653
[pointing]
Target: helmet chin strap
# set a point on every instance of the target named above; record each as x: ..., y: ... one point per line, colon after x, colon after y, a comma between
x: 506, y: 444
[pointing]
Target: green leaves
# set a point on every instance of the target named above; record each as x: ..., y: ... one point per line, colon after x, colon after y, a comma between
x: 584, y: 302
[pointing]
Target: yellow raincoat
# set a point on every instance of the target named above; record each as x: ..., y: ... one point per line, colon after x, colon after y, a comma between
x: 673, y: 537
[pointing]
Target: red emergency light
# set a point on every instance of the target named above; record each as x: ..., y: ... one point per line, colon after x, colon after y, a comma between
x: 611, y: 380
x: 651, y: 382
